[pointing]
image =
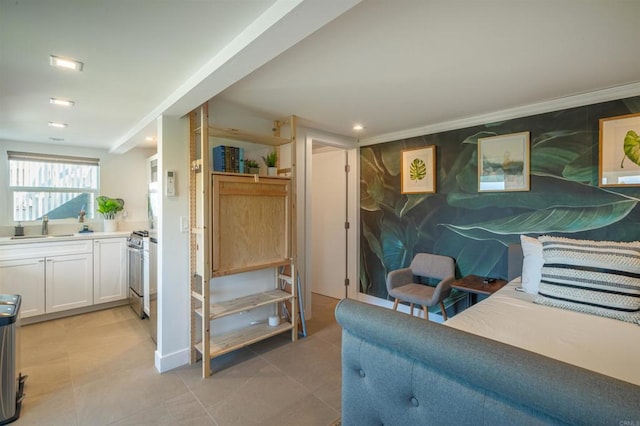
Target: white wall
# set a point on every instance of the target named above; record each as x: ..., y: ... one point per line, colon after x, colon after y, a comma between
x: 173, y: 247
x: 122, y: 176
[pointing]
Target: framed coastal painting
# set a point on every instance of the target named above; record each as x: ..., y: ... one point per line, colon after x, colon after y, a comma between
x: 503, y: 163
x: 619, y: 151
x: 418, y: 170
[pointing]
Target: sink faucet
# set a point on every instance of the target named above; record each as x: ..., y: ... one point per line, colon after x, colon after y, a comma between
x: 45, y: 225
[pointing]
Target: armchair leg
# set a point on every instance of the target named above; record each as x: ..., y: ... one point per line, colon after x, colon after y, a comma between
x: 426, y: 312
x: 395, y: 304
x: 444, y: 311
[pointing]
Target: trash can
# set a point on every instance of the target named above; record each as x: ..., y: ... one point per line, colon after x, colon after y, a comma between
x: 11, y: 381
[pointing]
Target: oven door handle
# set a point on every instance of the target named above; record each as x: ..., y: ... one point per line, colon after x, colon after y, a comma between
x: 135, y: 250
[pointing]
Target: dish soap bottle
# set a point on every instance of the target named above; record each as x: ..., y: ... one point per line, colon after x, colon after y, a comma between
x: 19, y: 230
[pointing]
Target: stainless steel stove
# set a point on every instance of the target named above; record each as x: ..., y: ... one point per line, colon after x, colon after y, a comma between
x: 138, y: 258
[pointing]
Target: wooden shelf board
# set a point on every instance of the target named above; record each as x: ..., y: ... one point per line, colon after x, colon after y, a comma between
x: 233, y: 306
x: 220, y: 345
x: 256, y: 177
x: 225, y: 272
x: 245, y: 136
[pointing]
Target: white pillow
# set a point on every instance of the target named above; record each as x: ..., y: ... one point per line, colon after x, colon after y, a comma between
x: 532, y: 263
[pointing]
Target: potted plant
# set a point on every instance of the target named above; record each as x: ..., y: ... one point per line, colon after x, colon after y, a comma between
x: 109, y: 208
x: 251, y: 166
x: 270, y: 160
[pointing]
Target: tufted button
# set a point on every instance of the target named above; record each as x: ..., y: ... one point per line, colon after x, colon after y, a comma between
x: 414, y: 401
x: 361, y: 372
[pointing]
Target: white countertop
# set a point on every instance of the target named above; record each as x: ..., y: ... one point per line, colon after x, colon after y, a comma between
x: 63, y: 237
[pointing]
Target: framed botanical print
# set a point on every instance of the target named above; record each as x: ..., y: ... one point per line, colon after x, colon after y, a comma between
x: 503, y: 163
x: 418, y: 170
x: 619, y: 151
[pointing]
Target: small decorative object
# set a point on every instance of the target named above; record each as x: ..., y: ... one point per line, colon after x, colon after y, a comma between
x: 418, y: 170
x: 274, y: 321
x: 81, y: 215
x: 503, y: 163
x: 620, y: 151
x: 271, y: 160
x: 251, y: 166
x: 109, y: 207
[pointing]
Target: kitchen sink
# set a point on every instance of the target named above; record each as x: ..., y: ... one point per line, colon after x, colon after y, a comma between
x: 30, y: 237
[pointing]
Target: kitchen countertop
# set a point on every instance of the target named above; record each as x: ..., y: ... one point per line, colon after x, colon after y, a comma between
x: 62, y: 237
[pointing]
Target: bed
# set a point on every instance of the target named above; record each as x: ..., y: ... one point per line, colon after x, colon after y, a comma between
x: 604, y: 345
x: 506, y: 360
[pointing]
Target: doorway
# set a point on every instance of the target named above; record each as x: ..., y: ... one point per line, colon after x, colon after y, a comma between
x: 329, y: 215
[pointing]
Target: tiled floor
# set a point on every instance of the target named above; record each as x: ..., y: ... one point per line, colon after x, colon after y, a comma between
x: 97, y: 369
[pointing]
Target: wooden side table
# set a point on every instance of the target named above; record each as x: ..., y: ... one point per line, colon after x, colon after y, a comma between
x: 474, y: 285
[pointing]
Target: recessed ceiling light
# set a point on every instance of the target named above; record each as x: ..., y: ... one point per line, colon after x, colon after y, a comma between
x: 358, y: 127
x: 61, y: 102
x: 149, y: 139
x: 56, y: 139
x: 58, y: 125
x: 70, y: 64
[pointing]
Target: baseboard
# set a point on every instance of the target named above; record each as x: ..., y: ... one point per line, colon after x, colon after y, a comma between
x: 71, y: 312
x: 171, y: 361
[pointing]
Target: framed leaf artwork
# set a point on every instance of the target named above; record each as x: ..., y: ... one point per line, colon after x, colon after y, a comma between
x: 418, y: 170
x: 503, y: 163
x: 619, y: 151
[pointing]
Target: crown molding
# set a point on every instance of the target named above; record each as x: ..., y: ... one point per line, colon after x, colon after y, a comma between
x: 610, y: 94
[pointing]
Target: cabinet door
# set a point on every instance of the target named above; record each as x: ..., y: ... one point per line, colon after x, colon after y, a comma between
x: 26, y: 278
x: 68, y: 282
x: 109, y: 269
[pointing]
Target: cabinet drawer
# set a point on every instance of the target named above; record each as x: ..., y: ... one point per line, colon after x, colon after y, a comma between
x: 29, y: 250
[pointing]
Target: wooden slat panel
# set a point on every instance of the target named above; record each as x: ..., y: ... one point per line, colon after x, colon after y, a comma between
x: 251, y: 223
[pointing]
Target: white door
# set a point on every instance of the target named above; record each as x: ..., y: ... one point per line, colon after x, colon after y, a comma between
x: 328, y: 218
x: 69, y: 282
x: 26, y: 278
x: 109, y: 267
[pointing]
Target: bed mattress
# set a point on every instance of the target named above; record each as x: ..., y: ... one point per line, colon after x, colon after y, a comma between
x: 604, y: 345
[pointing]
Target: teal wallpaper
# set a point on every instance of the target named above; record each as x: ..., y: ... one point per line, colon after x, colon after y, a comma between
x: 476, y: 228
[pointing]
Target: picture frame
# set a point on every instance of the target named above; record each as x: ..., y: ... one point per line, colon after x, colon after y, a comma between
x: 418, y: 170
x: 619, y: 151
x: 503, y: 163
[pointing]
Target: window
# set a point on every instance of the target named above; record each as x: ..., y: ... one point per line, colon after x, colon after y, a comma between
x: 52, y: 185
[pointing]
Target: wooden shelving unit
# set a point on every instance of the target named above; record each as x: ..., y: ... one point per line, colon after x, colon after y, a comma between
x: 239, y: 223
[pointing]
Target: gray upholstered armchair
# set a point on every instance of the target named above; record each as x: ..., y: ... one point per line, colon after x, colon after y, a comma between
x: 402, y: 285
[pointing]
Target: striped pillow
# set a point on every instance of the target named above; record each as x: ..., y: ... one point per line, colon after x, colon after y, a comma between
x: 594, y: 277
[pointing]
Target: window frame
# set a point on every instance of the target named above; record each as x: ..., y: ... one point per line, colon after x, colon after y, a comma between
x: 50, y: 158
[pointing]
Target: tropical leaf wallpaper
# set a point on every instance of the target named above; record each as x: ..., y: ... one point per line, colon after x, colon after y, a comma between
x: 476, y: 228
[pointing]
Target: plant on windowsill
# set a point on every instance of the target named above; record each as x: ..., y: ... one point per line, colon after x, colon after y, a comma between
x: 109, y: 208
x: 271, y: 159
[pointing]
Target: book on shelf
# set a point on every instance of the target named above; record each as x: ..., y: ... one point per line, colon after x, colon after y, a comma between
x: 227, y: 159
x: 218, y: 158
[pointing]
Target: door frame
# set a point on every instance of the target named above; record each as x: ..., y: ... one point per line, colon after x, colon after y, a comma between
x: 350, y: 146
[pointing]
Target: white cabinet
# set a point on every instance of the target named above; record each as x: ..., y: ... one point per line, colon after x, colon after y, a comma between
x: 50, y: 276
x: 68, y: 282
x: 24, y: 277
x: 109, y: 269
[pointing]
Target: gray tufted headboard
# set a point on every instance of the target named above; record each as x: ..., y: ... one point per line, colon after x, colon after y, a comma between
x: 402, y: 370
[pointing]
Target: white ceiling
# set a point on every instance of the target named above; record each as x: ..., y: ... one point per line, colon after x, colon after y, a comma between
x: 397, y: 67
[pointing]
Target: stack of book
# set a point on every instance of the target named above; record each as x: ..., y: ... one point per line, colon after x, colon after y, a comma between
x: 227, y: 159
